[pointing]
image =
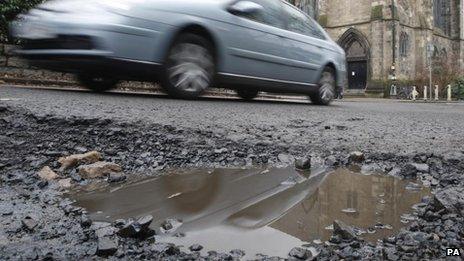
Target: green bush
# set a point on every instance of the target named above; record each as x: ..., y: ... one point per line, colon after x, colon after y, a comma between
x: 458, y: 89
x: 9, y: 9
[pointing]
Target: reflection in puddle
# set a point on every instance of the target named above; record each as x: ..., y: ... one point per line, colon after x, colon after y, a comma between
x: 371, y: 203
x: 259, y: 211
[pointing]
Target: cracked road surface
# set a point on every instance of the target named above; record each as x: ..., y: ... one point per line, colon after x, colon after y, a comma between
x: 144, y: 135
x: 366, y: 124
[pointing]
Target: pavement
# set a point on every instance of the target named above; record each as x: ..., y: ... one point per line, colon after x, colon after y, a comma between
x: 365, y: 124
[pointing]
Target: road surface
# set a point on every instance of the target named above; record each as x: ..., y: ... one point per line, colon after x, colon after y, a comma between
x: 363, y: 124
x: 147, y: 134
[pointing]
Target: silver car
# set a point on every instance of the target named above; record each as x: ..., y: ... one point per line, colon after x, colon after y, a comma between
x: 186, y: 45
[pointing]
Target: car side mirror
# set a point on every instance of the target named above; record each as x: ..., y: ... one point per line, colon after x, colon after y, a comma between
x: 245, y: 7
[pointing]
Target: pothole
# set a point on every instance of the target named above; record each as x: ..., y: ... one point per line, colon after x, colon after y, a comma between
x: 260, y: 211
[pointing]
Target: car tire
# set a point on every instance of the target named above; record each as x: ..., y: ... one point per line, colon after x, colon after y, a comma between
x: 97, y: 83
x: 189, y: 67
x: 327, y: 88
x: 247, y: 94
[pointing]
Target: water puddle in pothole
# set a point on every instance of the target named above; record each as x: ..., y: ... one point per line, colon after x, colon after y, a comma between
x: 261, y: 211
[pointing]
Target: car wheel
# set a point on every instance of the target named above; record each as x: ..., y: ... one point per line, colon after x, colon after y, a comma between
x: 189, y: 68
x: 327, y: 90
x: 97, y: 83
x: 247, y: 94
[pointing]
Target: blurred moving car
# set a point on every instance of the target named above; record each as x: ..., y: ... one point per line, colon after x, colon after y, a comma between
x: 186, y: 45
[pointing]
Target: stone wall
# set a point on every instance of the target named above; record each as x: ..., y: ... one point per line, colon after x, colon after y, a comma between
x: 369, y: 23
x: 374, y: 20
x: 13, y: 68
x: 346, y: 12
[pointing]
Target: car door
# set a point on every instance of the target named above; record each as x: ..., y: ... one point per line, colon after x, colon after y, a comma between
x: 304, y: 44
x: 254, y: 42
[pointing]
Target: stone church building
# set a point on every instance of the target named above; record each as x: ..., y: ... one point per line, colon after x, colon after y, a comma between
x: 392, y: 39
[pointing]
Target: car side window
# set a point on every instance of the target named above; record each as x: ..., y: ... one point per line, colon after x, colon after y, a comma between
x: 316, y: 29
x: 270, y: 15
x: 300, y: 23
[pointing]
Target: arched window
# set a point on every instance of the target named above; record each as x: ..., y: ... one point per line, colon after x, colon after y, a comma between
x: 404, y: 44
x: 355, y: 45
x: 355, y: 49
x: 442, y: 15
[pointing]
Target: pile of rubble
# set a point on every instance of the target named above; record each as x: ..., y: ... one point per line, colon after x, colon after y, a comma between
x: 38, y: 223
x: 89, y: 165
x: 109, y: 235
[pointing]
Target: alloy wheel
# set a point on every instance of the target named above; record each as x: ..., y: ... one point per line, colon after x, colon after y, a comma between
x: 190, y: 68
x: 327, y: 87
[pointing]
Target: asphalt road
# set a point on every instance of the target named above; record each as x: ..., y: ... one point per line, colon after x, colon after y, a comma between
x: 215, y: 133
x: 362, y: 124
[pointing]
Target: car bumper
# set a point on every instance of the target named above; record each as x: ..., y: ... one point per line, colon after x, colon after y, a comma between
x: 91, y: 42
x: 92, y: 62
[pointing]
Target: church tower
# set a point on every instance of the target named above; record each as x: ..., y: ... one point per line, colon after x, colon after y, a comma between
x: 391, y: 39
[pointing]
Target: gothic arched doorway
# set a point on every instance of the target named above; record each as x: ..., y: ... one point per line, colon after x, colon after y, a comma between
x: 357, y: 56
